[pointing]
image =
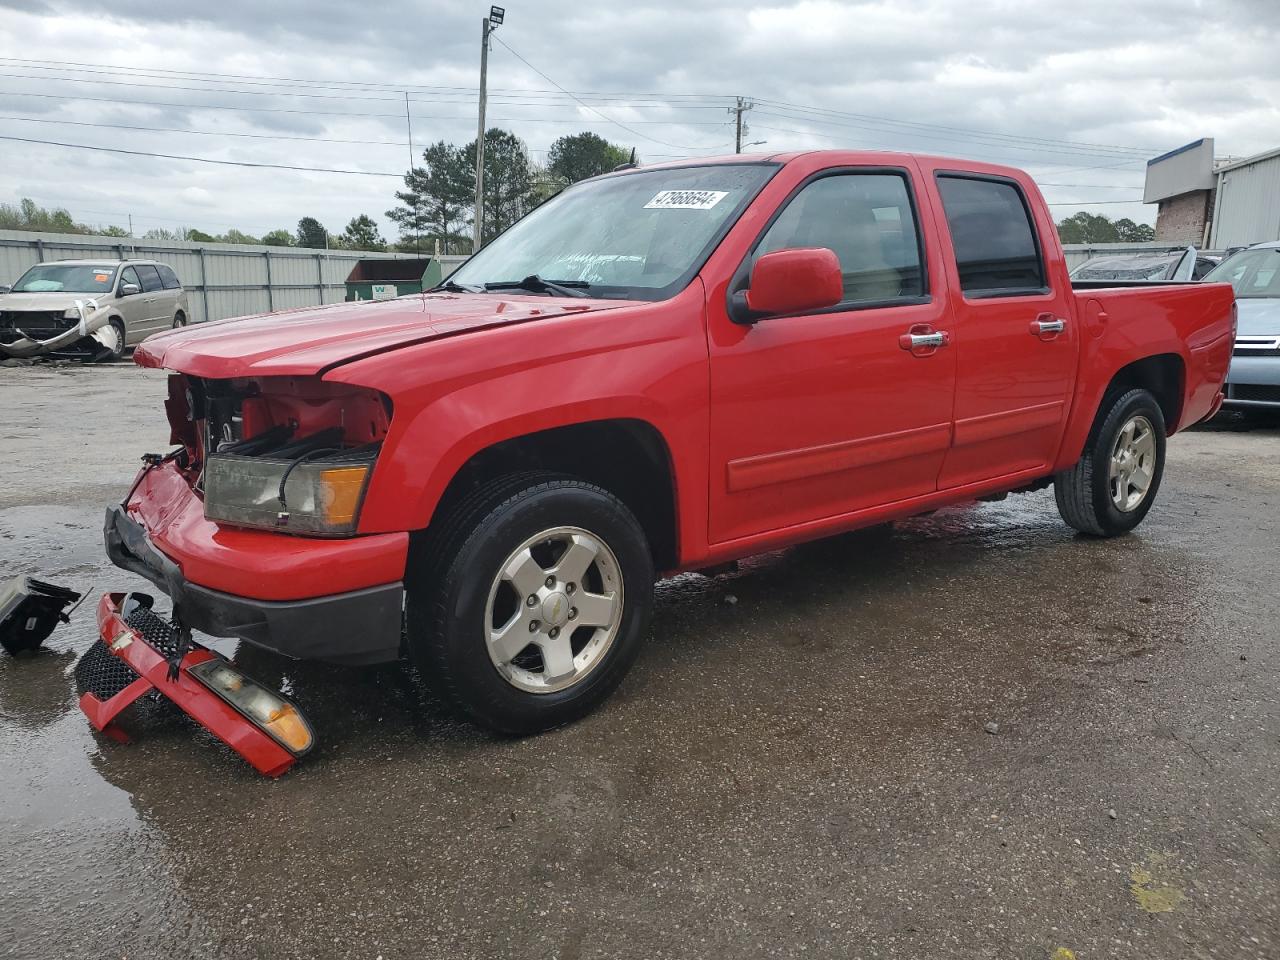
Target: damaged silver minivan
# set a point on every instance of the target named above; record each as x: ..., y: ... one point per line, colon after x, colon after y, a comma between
x: 90, y: 309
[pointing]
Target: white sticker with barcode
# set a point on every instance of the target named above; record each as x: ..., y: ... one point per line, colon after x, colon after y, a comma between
x: 686, y: 199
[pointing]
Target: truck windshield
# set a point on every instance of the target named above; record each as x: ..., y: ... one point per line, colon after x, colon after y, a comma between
x: 636, y: 236
x: 65, y: 278
x: 1251, y: 273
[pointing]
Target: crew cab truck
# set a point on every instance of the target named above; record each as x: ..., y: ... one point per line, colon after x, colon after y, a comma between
x: 659, y: 370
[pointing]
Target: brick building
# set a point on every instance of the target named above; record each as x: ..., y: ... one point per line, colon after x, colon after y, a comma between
x: 1214, y: 205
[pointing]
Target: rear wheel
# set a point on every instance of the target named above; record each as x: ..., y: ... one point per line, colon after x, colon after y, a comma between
x: 179, y: 320
x: 1111, y: 488
x: 529, y: 603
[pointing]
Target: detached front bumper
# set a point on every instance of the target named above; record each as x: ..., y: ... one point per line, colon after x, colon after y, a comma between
x: 137, y: 655
x: 358, y: 627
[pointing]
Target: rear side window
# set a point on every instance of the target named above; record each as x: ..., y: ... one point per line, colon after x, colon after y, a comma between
x: 868, y: 221
x: 993, y: 236
x: 168, y: 277
x: 149, y: 278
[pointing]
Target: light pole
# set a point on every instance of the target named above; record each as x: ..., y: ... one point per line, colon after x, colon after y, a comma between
x: 488, y: 25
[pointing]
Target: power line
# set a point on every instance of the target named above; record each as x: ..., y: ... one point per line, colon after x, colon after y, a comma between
x: 515, y: 98
x: 361, y: 115
x: 682, y: 101
x: 1025, y: 145
x: 203, y: 133
x: 1089, y: 203
x: 587, y: 106
x: 225, y: 163
x: 393, y: 87
x: 954, y: 129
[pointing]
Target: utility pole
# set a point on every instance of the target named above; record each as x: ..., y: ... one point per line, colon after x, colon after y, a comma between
x: 408, y: 122
x: 488, y: 25
x: 740, y: 128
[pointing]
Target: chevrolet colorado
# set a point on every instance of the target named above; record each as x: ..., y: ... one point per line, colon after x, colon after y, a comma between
x: 660, y: 369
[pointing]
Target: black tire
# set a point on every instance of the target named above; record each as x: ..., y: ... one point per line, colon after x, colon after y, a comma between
x: 179, y: 320
x: 1084, y: 492
x: 452, y: 570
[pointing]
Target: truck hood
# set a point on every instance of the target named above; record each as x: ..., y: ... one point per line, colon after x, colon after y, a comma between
x: 314, y: 339
x: 45, y: 301
x: 1259, y: 316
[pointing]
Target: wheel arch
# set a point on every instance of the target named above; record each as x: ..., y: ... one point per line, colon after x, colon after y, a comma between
x: 1164, y: 375
x: 627, y: 456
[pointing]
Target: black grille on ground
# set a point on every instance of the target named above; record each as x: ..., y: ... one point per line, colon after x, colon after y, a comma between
x: 1253, y: 391
x: 102, y: 673
x: 158, y: 633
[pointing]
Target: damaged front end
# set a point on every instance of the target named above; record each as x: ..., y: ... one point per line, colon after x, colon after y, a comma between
x: 138, y: 654
x: 83, y: 330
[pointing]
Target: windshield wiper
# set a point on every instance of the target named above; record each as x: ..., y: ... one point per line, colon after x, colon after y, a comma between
x: 454, y: 287
x: 535, y: 284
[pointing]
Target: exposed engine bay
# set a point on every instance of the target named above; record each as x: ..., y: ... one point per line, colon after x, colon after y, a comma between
x: 291, y: 454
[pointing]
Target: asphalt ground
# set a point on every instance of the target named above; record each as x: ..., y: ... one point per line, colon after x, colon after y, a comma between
x: 798, y: 766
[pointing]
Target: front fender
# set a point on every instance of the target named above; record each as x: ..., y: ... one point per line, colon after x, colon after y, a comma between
x: 456, y: 397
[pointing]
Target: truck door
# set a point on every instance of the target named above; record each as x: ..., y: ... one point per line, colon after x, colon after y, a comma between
x: 1016, y: 345
x: 823, y: 414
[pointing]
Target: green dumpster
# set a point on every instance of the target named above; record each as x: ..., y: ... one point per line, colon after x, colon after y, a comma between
x: 377, y: 279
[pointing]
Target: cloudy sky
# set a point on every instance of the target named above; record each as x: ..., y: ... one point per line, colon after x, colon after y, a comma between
x: 1081, y: 93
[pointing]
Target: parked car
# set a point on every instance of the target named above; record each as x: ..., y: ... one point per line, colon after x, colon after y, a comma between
x: 91, y: 309
x: 1175, y: 265
x: 660, y: 369
x: 1254, y: 274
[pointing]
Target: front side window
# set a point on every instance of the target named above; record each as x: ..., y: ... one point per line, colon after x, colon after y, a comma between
x: 66, y: 278
x: 993, y: 236
x: 129, y: 275
x: 635, y: 236
x: 867, y: 221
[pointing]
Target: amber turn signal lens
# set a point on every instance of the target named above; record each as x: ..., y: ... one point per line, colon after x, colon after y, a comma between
x: 339, y: 493
x: 268, y: 711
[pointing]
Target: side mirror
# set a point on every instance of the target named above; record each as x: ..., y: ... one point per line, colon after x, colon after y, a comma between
x: 790, y: 281
x: 129, y: 289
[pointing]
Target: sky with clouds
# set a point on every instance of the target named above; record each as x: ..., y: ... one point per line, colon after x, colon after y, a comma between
x: 1081, y: 94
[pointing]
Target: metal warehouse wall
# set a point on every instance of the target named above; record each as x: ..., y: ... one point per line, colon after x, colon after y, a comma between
x: 1248, y: 203
x: 221, y: 279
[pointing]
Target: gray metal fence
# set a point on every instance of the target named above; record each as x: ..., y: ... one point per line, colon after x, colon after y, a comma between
x: 221, y: 279
x: 231, y: 280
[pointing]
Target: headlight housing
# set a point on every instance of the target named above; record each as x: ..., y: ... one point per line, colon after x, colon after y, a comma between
x: 319, y: 497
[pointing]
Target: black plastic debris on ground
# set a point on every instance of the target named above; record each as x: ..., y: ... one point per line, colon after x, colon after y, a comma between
x: 30, y: 609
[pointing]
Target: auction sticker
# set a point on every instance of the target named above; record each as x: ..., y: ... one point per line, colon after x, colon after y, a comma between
x: 686, y: 199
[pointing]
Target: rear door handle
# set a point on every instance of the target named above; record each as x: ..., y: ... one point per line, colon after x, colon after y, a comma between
x: 1047, y: 323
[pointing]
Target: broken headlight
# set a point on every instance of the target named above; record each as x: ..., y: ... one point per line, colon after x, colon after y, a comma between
x: 316, y: 495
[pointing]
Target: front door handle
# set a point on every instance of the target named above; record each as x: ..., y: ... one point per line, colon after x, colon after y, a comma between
x: 922, y: 340
x: 1046, y: 325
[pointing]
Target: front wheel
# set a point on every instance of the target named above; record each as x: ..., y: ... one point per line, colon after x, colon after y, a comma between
x: 529, y: 603
x: 1111, y: 488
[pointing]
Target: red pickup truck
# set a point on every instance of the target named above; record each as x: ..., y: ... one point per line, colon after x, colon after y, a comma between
x: 661, y: 369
